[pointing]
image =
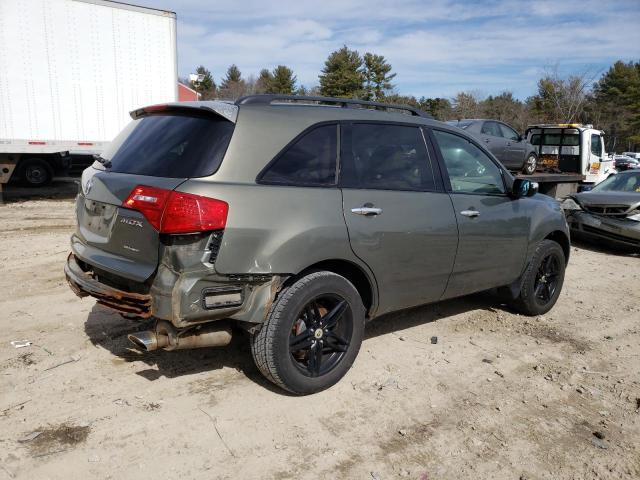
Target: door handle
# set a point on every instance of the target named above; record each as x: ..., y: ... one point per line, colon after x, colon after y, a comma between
x: 470, y: 213
x: 367, y: 211
x: 487, y: 140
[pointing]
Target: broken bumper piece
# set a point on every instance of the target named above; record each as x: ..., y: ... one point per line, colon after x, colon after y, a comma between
x: 83, y: 284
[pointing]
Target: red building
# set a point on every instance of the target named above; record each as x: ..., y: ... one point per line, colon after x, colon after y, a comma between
x: 187, y: 94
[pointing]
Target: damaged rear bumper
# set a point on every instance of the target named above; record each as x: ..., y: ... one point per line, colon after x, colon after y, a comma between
x: 180, y: 298
x: 83, y: 284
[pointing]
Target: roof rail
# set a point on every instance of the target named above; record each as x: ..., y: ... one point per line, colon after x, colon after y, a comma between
x: 343, y: 102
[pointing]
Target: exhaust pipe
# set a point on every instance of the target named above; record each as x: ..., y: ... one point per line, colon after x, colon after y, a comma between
x: 167, y: 337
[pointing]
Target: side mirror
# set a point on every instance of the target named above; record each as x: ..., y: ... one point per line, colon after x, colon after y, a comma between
x: 524, y: 188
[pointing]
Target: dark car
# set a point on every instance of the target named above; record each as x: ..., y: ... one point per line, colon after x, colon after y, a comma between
x: 622, y: 162
x: 297, y: 222
x: 507, y: 145
x: 609, y: 212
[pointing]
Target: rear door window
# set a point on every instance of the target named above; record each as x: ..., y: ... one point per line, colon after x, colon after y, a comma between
x: 387, y: 157
x: 175, y: 145
x: 310, y: 160
x: 491, y: 128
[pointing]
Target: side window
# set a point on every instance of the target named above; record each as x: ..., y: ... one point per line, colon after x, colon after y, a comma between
x: 491, y: 128
x: 508, y: 132
x: 387, y: 157
x: 470, y: 169
x: 596, y: 145
x: 309, y: 161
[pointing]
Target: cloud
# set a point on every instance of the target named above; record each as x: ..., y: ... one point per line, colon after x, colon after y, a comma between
x: 436, y: 48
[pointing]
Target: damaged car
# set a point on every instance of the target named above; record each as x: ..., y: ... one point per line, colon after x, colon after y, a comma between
x: 297, y: 220
x: 610, y: 212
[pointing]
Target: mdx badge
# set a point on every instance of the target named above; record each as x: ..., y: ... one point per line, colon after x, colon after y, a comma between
x: 131, y: 221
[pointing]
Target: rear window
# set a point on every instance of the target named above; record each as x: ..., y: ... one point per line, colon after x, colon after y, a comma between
x: 310, y: 160
x: 175, y: 146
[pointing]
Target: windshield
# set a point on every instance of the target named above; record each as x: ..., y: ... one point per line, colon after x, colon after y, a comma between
x: 460, y: 123
x: 176, y: 145
x: 622, y: 182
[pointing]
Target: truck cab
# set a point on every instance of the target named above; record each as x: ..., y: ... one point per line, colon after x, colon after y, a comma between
x: 571, y: 148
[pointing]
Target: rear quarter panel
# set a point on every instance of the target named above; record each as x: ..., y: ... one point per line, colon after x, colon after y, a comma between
x: 277, y: 229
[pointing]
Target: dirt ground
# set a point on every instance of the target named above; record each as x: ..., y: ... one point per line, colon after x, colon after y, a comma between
x: 500, y: 396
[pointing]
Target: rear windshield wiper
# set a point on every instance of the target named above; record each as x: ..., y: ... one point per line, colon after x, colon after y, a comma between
x: 106, y: 163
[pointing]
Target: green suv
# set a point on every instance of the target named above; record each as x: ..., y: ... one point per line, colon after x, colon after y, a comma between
x: 298, y: 219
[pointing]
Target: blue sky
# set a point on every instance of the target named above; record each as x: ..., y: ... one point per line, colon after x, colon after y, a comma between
x: 437, y: 48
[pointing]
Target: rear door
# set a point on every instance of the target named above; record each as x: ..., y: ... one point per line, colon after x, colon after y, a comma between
x: 493, y: 228
x: 400, y: 221
x: 515, y: 148
x: 493, y: 139
x: 159, y: 150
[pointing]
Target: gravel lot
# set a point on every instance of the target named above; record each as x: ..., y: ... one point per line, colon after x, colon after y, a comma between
x: 499, y: 396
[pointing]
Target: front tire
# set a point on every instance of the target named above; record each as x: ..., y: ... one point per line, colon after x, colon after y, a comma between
x: 312, y: 334
x: 530, y: 164
x: 542, y: 280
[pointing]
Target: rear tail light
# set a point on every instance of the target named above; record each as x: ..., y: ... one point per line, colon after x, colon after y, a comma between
x: 176, y: 212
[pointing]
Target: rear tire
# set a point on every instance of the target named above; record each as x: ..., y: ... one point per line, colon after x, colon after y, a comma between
x: 530, y: 164
x: 542, y: 280
x: 35, y: 172
x: 312, y: 334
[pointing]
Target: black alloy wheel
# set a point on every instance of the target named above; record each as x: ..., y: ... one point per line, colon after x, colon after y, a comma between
x: 321, y: 335
x: 546, y: 281
x: 542, y: 280
x: 312, y: 333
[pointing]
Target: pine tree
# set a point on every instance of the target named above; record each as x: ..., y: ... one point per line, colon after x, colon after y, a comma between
x: 617, y: 99
x: 342, y: 74
x: 232, y: 86
x: 282, y: 81
x: 264, y: 81
x: 207, y: 87
x: 377, y: 77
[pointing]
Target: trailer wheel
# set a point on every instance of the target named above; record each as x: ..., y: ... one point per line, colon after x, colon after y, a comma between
x: 530, y: 164
x: 35, y: 172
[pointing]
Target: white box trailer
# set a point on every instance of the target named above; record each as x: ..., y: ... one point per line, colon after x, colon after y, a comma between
x: 70, y: 73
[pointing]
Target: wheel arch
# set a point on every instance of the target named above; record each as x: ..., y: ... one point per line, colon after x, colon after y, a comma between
x: 362, y: 280
x: 562, y: 239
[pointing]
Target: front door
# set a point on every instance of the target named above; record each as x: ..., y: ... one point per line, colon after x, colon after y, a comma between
x: 400, y: 221
x: 493, y: 227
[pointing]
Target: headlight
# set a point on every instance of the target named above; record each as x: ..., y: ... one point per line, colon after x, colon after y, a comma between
x: 634, y: 215
x: 570, y: 204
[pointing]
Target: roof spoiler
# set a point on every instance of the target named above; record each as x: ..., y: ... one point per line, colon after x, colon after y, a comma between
x: 226, y: 110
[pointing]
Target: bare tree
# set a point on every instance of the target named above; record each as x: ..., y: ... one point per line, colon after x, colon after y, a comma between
x: 562, y: 100
x: 466, y: 105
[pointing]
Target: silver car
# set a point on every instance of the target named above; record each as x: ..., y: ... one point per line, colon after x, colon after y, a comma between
x: 507, y: 145
x: 298, y: 219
